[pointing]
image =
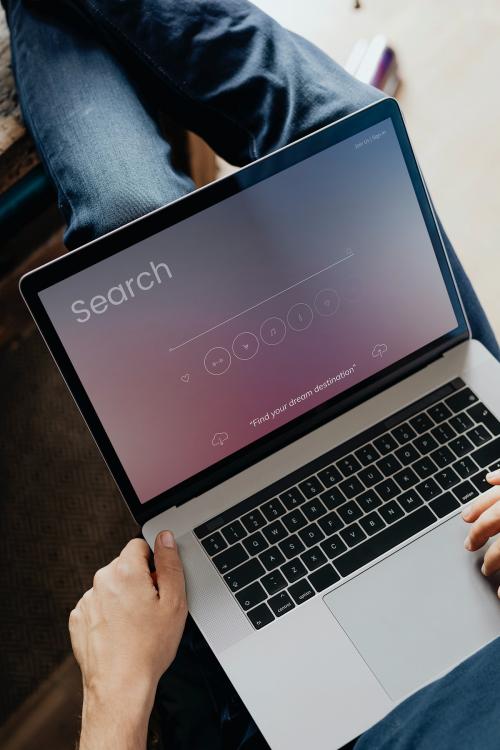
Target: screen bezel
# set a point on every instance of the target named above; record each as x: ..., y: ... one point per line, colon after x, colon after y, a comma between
x: 55, y: 271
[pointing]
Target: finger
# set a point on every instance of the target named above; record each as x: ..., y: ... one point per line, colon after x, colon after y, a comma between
x: 169, y: 571
x: 486, y: 526
x: 493, y: 477
x: 484, y: 501
x: 134, y: 558
x: 491, y: 559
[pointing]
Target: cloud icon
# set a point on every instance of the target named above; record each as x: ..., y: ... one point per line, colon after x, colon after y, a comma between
x: 379, y: 350
x: 219, y: 438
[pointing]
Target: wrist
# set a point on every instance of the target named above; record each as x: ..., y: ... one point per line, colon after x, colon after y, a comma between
x: 116, y: 718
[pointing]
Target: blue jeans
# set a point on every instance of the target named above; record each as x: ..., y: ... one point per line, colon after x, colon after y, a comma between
x: 92, y: 77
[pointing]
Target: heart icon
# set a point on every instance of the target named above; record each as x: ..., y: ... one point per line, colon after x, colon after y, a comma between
x: 185, y: 377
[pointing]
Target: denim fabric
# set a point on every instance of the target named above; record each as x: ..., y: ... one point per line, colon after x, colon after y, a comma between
x: 91, y: 76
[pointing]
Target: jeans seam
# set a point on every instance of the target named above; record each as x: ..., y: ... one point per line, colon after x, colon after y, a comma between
x: 159, y: 68
x: 28, y: 115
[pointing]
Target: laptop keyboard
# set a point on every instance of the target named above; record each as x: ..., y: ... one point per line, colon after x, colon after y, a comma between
x: 303, y: 534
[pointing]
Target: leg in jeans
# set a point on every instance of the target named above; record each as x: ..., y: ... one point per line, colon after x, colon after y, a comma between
x: 95, y: 134
x: 244, y: 83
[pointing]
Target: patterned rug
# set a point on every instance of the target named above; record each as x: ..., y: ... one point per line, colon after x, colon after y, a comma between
x: 61, y: 517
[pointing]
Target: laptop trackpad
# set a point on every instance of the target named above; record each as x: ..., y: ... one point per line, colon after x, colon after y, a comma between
x: 421, y: 611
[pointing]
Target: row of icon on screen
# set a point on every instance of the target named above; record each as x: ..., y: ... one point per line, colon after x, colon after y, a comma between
x: 272, y: 332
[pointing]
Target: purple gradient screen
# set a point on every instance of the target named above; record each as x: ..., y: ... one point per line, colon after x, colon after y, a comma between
x: 216, y: 331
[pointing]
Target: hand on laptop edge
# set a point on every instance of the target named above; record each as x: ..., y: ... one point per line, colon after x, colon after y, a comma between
x: 125, y: 632
x: 484, y: 515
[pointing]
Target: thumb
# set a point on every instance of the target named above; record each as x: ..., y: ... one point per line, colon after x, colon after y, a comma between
x: 169, y: 570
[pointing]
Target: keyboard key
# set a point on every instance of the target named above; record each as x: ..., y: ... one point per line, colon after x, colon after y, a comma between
x: 294, y: 570
x: 428, y: 489
x: 353, y: 534
x: 439, y: 412
x: 292, y: 498
x: 461, y: 400
x: 444, y: 505
x: 403, y: 433
x: 273, y: 509
x: 245, y: 574
x: 330, y: 476
x: 251, y: 595
x: 480, y: 413
x: 275, y: 532
x: 406, y: 478
x: 311, y: 487
x: 367, y: 454
x: 391, y: 512
x: 214, y: 543
x: 425, y: 467
x: 487, y: 454
x: 388, y: 465
x: 372, y: 523
x: 466, y: 467
x: 333, y: 497
x: 253, y: 521
x: 444, y: 433
x: 425, y: 443
x: 461, y: 446
x: 313, y: 509
x: 324, y: 577
x: 230, y: 558
x: 410, y: 500
x: 330, y: 523
x: 301, y: 591
x: 260, y: 616
x: 369, y: 500
x: 461, y: 423
x: 443, y: 457
x: 384, y: 541
x: 333, y: 547
x: 479, y: 435
x: 350, y: 512
x: 281, y: 603
x: 370, y: 476
x: 273, y: 582
x: 348, y: 465
x: 233, y: 532
x: 385, y: 444
x: 407, y: 454
x: 291, y: 546
x: 421, y: 423
x: 387, y: 489
x: 351, y: 487
x: 479, y: 481
x: 294, y: 520
x: 311, y: 535
x: 465, y: 492
x: 447, y: 478
x: 313, y: 558
x: 255, y: 543
x: 271, y: 558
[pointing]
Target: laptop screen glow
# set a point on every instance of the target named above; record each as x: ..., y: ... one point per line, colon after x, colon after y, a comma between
x: 203, y: 338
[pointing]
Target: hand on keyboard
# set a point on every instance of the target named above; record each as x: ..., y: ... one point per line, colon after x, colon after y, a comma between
x: 484, y: 515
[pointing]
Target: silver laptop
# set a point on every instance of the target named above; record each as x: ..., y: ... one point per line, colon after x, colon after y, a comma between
x: 278, y: 368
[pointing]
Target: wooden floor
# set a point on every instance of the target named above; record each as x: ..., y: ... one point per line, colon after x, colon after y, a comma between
x: 449, y: 53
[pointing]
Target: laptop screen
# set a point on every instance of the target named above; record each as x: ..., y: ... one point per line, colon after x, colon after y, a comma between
x: 211, y: 334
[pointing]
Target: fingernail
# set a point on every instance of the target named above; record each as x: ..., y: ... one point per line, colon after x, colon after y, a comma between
x: 493, y: 475
x: 167, y: 539
x: 466, y: 513
x: 483, y: 569
x: 467, y: 544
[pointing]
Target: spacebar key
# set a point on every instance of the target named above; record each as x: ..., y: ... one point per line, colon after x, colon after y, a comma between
x: 383, y: 542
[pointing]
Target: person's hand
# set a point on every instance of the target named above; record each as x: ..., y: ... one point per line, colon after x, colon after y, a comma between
x: 484, y: 515
x: 125, y: 632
